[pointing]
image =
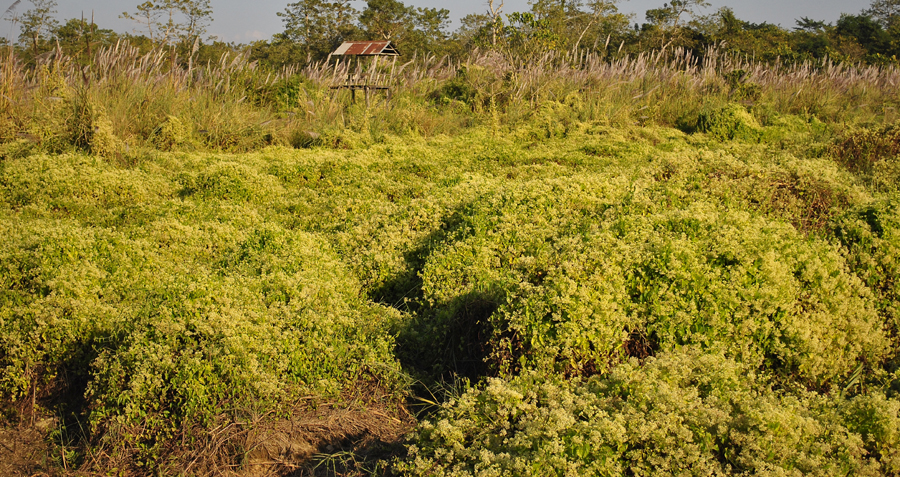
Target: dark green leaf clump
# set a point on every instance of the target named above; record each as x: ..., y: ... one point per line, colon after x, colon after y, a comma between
x: 729, y: 122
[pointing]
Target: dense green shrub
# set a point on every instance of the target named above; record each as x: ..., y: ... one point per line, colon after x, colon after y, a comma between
x: 577, y: 272
x: 874, y: 154
x: 871, y: 237
x: 729, y: 122
x: 860, y: 150
x: 741, y: 87
x: 164, y: 313
x: 682, y: 413
x: 458, y: 88
x: 180, y: 291
x: 170, y: 134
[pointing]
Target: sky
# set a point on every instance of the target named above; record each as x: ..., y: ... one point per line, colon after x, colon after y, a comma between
x: 242, y: 21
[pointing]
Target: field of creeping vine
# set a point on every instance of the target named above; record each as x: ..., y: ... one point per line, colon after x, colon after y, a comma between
x: 562, y: 295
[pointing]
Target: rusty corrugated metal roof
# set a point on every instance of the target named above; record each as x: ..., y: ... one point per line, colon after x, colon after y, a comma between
x: 366, y: 48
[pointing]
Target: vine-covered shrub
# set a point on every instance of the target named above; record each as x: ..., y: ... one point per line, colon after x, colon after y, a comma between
x: 861, y: 150
x: 740, y: 87
x: 177, y: 292
x: 580, y: 274
x: 684, y: 412
x: 170, y: 134
x: 162, y: 313
x: 871, y: 237
x: 729, y: 122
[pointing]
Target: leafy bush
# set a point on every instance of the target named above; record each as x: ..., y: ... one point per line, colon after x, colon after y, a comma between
x: 871, y: 237
x: 164, y: 313
x: 170, y: 134
x: 729, y: 122
x: 741, y: 89
x: 682, y: 413
x: 573, y: 286
x: 871, y: 153
x: 458, y: 88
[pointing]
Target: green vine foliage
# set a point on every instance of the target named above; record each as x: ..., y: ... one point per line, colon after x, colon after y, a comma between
x: 682, y: 413
x: 623, y: 299
x: 165, y: 306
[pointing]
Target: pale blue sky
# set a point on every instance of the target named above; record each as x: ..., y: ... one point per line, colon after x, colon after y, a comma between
x: 243, y: 21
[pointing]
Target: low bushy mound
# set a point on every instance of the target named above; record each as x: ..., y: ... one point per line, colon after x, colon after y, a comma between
x: 573, y: 275
x: 871, y: 237
x: 682, y: 413
x: 175, y: 312
x: 621, y: 299
x: 874, y: 154
x: 859, y: 150
x: 729, y: 122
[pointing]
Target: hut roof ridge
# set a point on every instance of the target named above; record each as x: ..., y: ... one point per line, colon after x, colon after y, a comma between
x: 367, y: 48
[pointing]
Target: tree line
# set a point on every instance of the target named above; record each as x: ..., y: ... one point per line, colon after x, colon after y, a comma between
x: 313, y: 28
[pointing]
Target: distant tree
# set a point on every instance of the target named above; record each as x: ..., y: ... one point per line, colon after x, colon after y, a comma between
x: 602, y: 21
x: 668, y: 24
x: 673, y: 15
x: 278, y: 52
x: 212, y: 51
x: 557, y: 17
x: 319, y: 25
x: 147, y: 15
x: 170, y: 22
x: 475, y: 29
x: 885, y: 12
x: 37, y: 25
x: 811, y: 26
x: 80, y: 38
x: 763, y: 41
x: 430, y: 30
x: 482, y: 29
x: 496, y: 22
x: 528, y: 35
x: 812, y: 38
x: 142, y: 42
x: 866, y: 31
x: 411, y: 28
x: 197, y: 15
x: 387, y: 19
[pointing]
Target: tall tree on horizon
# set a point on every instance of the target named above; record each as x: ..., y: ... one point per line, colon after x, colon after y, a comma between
x: 319, y: 25
x: 410, y: 27
x: 38, y: 24
x: 168, y: 22
x: 670, y: 20
x: 387, y: 19
x: 886, y: 12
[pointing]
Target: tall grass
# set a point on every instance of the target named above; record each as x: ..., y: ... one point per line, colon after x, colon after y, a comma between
x: 149, y: 101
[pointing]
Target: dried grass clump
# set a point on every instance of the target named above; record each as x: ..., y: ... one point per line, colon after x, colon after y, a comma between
x: 235, y: 105
x: 862, y: 150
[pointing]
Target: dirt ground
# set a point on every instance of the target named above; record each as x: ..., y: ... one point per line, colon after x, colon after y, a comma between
x: 24, y: 450
x: 346, y: 439
x: 328, y: 441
